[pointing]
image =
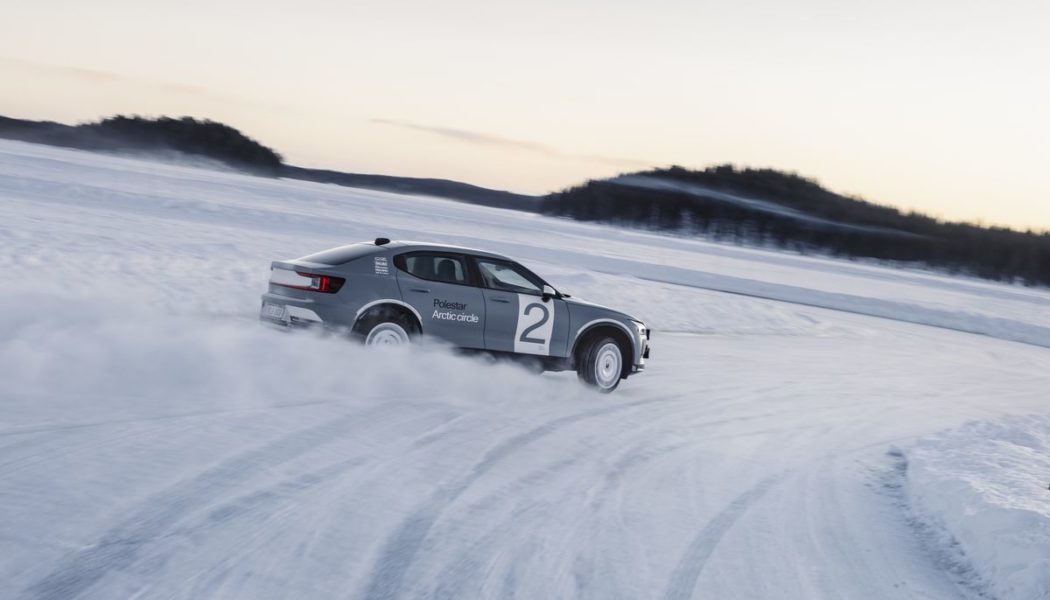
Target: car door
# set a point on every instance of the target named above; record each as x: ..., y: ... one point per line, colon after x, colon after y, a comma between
x: 518, y: 319
x: 440, y: 286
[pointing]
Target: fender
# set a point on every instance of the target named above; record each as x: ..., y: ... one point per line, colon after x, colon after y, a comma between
x: 591, y: 324
x: 364, y: 308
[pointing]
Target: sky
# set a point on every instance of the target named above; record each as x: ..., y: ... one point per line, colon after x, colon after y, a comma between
x: 939, y: 106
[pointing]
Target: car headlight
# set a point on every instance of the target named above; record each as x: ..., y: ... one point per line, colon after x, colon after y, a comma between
x: 643, y: 333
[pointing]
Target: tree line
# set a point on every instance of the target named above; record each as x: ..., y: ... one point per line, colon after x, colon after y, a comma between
x: 814, y: 219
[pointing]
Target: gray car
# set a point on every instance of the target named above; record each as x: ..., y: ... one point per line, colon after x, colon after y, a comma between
x: 391, y: 293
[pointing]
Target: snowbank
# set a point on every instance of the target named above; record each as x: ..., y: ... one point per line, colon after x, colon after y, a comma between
x: 983, y: 489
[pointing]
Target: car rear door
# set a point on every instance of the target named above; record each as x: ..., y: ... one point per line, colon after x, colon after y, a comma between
x: 518, y: 319
x: 441, y: 287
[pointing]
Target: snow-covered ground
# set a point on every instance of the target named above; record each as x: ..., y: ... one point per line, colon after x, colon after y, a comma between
x: 983, y: 492
x: 156, y: 442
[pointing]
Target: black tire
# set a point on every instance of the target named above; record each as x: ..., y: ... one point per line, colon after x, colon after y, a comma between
x: 600, y: 365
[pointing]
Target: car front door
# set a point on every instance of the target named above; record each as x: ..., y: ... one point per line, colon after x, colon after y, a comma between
x: 518, y: 319
x: 441, y: 288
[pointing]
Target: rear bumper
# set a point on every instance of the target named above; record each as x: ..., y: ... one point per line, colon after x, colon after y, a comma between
x: 288, y: 312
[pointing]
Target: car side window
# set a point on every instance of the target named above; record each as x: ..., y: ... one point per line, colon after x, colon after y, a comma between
x: 508, y: 277
x: 434, y: 267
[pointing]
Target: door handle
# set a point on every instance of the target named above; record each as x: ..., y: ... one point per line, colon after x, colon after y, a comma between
x: 501, y: 300
x: 420, y: 290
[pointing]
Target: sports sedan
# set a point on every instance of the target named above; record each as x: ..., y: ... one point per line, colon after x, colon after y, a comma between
x: 391, y: 293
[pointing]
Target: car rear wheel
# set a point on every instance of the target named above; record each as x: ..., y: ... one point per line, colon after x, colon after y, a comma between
x: 387, y: 334
x: 601, y: 365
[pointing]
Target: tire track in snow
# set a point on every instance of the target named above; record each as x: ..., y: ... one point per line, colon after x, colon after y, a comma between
x: 279, y: 501
x: 687, y: 572
x: 454, y: 576
x: 119, y: 547
x: 400, y: 550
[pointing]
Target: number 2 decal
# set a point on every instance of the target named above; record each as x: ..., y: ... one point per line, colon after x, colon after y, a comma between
x: 535, y: 326
x: 524, y: 337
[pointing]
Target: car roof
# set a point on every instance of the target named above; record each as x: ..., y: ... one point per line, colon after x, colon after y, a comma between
x: 410, y: 246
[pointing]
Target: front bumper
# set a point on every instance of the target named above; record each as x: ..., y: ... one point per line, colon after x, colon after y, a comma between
x: 643, y: 346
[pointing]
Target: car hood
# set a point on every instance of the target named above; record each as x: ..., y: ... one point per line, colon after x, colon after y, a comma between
x: 581, y: 302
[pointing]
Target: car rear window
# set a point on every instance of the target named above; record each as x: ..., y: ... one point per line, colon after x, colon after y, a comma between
x: 340, y: 255
x: 433, y: 267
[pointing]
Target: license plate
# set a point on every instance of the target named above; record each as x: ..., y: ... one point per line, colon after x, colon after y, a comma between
x: 274, y: 311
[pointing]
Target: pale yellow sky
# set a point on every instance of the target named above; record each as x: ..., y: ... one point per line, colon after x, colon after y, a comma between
x: 937, y: 105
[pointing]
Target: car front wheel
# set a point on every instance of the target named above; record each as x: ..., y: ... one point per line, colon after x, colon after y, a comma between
x: 601, y: 365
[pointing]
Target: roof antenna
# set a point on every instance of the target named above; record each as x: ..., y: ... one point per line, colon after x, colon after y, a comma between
x: 382, y: 241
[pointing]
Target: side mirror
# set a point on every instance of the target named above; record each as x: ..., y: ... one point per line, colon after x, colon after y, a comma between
x: 549, y: 292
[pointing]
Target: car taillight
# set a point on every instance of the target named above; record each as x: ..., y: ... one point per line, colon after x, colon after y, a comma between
x: 299, y: 280
x: 323, y: 283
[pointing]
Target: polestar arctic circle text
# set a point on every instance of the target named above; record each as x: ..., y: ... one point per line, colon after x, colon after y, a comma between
x: 393, y: 292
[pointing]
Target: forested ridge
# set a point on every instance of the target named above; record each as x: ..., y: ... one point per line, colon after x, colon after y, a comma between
x: 183, y: 135
x: 769, y: 207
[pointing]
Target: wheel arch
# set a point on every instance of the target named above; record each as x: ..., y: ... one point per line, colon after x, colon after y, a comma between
x: 386, y: 307
x: 610, y: 328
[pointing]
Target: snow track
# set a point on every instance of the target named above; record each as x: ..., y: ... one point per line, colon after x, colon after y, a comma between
x: 686, y: 573
x: 156, y: 442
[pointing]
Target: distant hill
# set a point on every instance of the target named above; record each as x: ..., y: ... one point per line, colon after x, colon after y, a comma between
x: 748, y: 206
x: 164, y: 135
x: 441, y: 188
x: 222, y: 143
x: 768, y: 207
